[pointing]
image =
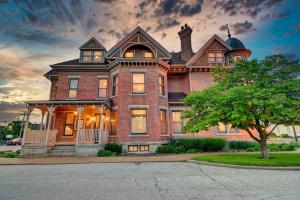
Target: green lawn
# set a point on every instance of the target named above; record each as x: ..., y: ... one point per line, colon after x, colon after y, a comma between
x: 276, y: 160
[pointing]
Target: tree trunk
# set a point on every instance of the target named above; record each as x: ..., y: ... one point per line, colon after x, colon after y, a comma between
x: 295, y: 134
x: 264, y: 148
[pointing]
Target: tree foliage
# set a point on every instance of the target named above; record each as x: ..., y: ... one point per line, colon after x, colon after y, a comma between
x: 250, y: 96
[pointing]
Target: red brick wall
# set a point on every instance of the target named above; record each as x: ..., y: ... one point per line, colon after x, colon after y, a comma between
x: 87, y: 86
x: 201, y: 80
x: 179, y: 84
x: 152, y: 98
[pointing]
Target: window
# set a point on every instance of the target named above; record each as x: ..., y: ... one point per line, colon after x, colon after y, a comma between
x: 138, y: 83
x: 161, y: 82
x: 129, y: 54
x: 138, y: 148
x: 115, y: 85
x: 103, y: 118
x: 215, y: 57
x: 113, y: 122
x: 227, y: 129
x: 148, y: 54
x: 73, y: 87
x: 92, y: 56
x: 87, y: 56
x: 139, y: 121
x: 102, y: 88
x: 177, y: 122
x: 133, y: 148
x: 163, y: 121
x: 69, y: 124
x: 81, y: 123
x: 98, y: 56
x: 237, y: 58
x: 144, y: 148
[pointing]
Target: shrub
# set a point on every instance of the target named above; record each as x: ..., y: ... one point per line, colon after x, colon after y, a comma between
x: 242, y: 145
x: 213, y: 144
x: 113, y: 147
x: 284, y: 135
x: 295, y: 144
x: 10, y: 154
x: 106, y: 153
x: 194, y: 151
x: 166, y: 148
x: 281, y: 147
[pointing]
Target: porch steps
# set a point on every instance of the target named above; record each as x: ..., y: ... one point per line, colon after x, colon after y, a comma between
x: 62, y: 150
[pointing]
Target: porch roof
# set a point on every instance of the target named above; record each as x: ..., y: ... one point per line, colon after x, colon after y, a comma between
x: 105, y: 102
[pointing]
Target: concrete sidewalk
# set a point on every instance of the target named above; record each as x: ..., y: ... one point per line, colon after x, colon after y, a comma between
x: 83, y: 160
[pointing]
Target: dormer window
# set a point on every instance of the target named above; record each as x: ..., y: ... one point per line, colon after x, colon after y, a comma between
x: 92, y: 56
x: 148, y: 54
x: 215, y: 57
x: 129, y: 54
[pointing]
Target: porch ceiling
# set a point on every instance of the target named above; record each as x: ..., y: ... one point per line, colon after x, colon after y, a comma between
x: 42, y: 103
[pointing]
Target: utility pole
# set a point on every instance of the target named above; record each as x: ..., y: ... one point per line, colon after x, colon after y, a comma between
x: 22, y: 124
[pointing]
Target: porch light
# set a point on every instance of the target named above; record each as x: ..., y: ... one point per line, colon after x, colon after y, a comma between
x: 75, y: 113
x: 106, y: 118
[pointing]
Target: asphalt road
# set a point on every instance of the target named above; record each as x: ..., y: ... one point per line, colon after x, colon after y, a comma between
x: 145, y: 181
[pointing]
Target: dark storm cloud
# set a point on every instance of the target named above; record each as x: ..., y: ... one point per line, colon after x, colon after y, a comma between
x: 243, y: 27
x: 168, y: 7
x: 247, y: 7
x: 281, y: 15
x: 9, y: 111
x: 166, y: 23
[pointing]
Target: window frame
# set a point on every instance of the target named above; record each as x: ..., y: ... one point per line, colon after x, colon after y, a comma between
x: 71, y: 89
x: 148, y: 51
x: 133, y: 53
x: 73, y: 124
x: 99, y: 88
x: 115, y: 83
x: 132, y: 83
x: 215, y: 57
x: 163, y: 123
x: 162, y: 85
x: 178, y: 122
x: 141, y: 115
x: 228, y: 130
x: 92, y: 56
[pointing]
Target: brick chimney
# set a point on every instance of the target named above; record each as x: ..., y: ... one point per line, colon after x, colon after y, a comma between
x: 186, y: 44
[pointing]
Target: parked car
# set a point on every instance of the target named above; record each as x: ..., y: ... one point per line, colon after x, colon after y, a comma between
x: 16, y: 141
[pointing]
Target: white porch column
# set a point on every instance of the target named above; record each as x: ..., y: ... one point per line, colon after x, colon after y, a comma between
x: 29, y: 110
x: 100, y: 121
x: 50, y: 113
x: 42, y: 121
x: 79, y: 111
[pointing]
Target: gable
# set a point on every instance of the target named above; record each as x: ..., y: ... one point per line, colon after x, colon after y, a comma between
x: 138, y: 37
x: 214, y: 43
x: 92, y: 44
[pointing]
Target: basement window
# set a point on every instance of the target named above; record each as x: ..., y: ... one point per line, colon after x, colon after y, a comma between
x: 138, y: 148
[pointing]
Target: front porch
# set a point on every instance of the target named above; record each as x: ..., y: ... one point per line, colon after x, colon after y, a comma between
x: 85, y: 125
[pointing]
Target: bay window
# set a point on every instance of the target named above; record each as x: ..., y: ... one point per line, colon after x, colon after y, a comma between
x: 138, y: 121
x: 138, y: 83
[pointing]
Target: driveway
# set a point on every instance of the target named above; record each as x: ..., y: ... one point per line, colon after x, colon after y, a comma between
x: 147, y: 181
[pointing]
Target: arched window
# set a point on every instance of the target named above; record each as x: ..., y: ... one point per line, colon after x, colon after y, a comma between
x: 138, y: 52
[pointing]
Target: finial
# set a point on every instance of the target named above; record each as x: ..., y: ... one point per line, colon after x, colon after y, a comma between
x: 229, y: 35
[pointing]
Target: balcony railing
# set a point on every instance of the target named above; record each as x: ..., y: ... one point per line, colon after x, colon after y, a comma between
x: 92, y: 136
x: 38, y: 137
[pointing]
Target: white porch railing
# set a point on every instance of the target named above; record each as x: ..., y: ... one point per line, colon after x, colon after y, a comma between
x: 92, y: 136
x: 39, y: 137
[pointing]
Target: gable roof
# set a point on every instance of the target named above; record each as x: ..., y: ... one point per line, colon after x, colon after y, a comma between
x: 130, y: 35
x: 92, y: 44
x: 201, y: 50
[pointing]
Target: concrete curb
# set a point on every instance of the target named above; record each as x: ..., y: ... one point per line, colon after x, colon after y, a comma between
x: 243, y: 166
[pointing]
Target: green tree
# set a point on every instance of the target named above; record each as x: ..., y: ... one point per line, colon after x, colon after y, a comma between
x: 250, y: 96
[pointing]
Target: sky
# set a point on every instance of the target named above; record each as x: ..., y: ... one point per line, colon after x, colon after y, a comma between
x: 37, y: 33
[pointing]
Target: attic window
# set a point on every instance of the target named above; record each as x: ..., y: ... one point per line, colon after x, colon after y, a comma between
x: 215, y: 57
x: 148, y: 54
x: 129, y: 54
x: 92, y: 56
